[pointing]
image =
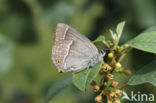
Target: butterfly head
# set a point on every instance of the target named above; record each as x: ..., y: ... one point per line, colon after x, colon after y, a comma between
x: 101, y: 54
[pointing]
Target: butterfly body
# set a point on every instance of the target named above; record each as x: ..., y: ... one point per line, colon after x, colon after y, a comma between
x: 72, y: 51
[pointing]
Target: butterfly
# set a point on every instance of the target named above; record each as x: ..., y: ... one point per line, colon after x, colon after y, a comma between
x: 72, y: 51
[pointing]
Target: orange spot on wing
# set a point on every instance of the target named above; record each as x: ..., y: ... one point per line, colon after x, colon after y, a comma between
x: 58, y: 62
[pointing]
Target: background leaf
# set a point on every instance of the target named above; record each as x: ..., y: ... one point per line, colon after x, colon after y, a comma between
x: 119, y: 28
x: 6, y: 51
x: 145, y: 75
x: 82, y: 79
x: 150, y: 29
x: 58, y: 13
x: 57, y: 87
x: 145, y: 41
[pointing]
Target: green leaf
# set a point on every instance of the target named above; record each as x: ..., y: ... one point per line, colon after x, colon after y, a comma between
x: 83, y: 78
x: 100, y: 38
x: 61, y: 9
x: 150, y: 29
x: 57, y: 87
x: 119, y: 28
x: 145, y: 75
x: 6, y: 51
x: 145, y: 41
x: 99, y: 42
x: 80, y: 79
x: 93, y: 73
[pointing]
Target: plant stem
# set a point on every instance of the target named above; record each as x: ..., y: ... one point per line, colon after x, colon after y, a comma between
x: 107, y: 98
x: 125, y: 49
x: 121, y: 57
x: 123, y: 86
x: 106, y: 44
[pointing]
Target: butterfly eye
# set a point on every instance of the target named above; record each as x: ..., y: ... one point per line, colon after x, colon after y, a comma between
x: 58, y: 62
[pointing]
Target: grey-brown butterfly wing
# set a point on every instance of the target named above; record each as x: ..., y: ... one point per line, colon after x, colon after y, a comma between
x: 60, y: 32
x: 59, y: 51
x: 80, y: 53
x: 64, y: 31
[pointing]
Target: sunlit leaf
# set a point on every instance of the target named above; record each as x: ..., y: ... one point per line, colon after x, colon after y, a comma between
x: 101, y: 38
x: 119, y: 28
x: 145, y: 75
x: 83, y: 78
x: 145, y: 41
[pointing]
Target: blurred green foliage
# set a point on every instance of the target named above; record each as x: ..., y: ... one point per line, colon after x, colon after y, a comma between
x: 27, y: 29
x: 6, y: 49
